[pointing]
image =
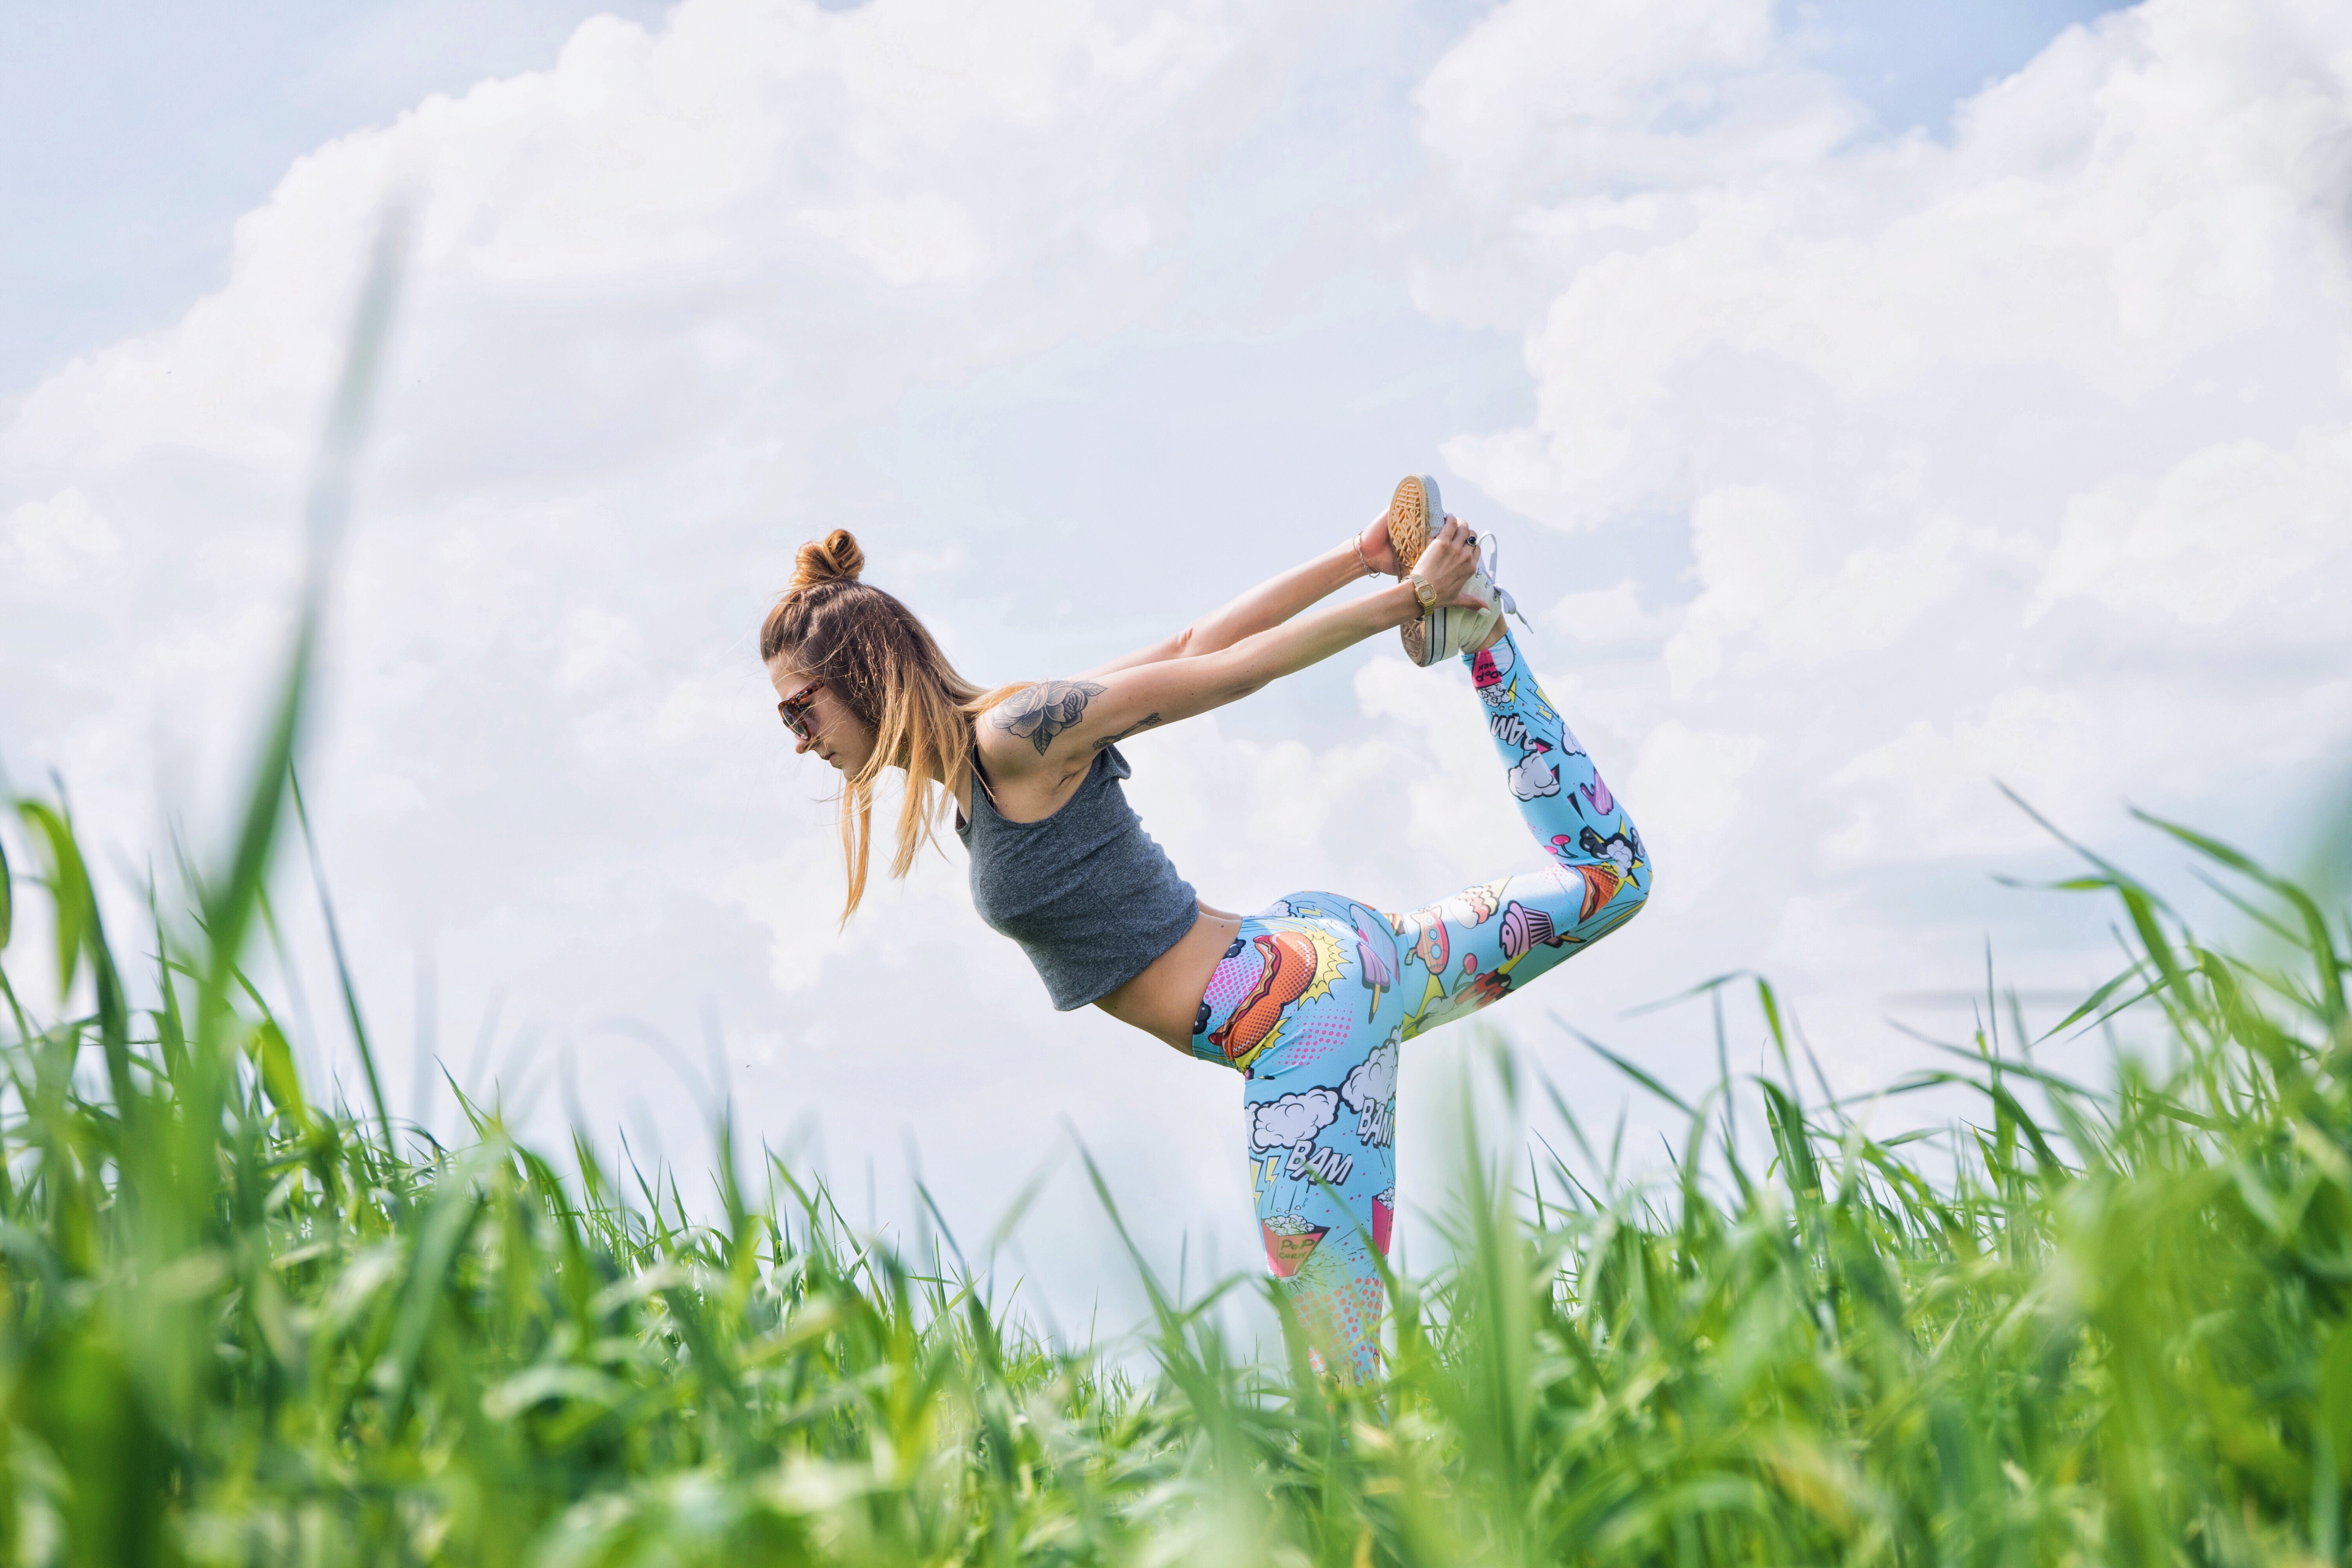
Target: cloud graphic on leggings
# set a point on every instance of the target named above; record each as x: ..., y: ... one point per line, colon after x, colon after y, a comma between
x: 1292, y: 1121
x: 1532, y: 777
x: 1371, y: 1092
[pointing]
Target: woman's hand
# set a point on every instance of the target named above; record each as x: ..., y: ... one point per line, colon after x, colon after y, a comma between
x: 1375, y: 546
x: 1446, y: 565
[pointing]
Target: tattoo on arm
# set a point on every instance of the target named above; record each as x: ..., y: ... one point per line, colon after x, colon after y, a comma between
x: 1145, y: 723
x: 1045, y: 710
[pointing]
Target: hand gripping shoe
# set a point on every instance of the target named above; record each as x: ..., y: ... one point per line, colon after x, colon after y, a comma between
x: 1443, y: 630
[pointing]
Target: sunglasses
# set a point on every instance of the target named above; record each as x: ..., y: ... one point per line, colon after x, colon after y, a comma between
x: 794, y: 709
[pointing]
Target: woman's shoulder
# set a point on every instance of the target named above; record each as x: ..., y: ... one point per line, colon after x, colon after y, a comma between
x: 1024, y: 781
x: 1004, y: 756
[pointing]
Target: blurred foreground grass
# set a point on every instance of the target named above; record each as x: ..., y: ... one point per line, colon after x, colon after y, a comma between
x: 239, y: 1326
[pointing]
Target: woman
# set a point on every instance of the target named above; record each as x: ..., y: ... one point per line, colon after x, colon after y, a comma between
x: 1310, y: 997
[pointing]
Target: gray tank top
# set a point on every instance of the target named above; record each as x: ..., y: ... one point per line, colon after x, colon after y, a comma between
x: 1086, y: 892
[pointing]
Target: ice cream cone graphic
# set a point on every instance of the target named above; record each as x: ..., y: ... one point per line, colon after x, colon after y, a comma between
x: 1383, y: 1218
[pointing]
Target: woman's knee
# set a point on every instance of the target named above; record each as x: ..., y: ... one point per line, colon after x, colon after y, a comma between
x: 1635, y: 894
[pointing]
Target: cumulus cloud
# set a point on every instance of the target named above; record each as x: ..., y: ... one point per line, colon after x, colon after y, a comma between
x: 2137, y: 200
x: 1765, y: 584
x: 1615, y: 615
x: 1689, y: 781
x: 57, y: 540
x: 2237, y: 526
x: 1628, y: 94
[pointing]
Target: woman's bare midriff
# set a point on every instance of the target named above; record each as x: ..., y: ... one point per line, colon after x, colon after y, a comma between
x: 1164, y: 999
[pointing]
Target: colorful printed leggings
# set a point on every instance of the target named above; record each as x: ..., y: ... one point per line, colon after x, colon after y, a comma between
x: 1314, y: 997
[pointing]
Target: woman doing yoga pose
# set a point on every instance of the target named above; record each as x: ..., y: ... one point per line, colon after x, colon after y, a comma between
x: 1309, y: 998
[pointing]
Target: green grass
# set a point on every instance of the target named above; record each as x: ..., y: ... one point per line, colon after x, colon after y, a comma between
x: 2082, y: 1324
x: 2099, y: 1323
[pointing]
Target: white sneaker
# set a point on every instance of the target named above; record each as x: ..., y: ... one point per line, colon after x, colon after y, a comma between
x: 1446, y: 631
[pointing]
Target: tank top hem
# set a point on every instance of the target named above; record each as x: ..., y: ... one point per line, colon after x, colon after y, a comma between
x: 1061, y: 1006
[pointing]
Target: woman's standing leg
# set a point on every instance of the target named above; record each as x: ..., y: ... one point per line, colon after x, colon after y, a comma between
x: 1304, y: 1004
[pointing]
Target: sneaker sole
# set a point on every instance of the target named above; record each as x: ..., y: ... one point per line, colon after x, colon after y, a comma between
x: 1415, y: 633
x: 1411, y: 510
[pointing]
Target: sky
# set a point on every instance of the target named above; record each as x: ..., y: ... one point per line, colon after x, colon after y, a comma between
x: 1875, y: 404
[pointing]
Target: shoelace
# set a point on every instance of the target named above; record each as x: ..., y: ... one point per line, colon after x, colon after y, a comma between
x: 1490, y: 561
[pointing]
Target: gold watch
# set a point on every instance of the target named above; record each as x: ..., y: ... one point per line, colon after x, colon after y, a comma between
x: 1424, y: 592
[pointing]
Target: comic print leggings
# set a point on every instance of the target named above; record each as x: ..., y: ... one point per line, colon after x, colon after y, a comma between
x: 1318, y: 992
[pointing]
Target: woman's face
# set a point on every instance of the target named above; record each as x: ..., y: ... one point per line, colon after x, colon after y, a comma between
x: 835, y: 732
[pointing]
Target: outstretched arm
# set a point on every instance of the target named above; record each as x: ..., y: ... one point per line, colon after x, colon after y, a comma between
x: 1054, y: 727
x: 1269, y: 604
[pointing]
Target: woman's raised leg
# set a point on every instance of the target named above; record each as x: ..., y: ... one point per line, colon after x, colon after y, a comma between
x: 1463, y: 952
x: 1315, y: 997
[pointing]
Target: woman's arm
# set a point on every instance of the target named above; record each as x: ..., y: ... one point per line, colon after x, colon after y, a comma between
x: 1056, y: 727
x: 1269, y: 604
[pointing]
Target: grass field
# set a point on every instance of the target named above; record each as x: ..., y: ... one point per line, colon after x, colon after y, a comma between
x: 2083, y: 1325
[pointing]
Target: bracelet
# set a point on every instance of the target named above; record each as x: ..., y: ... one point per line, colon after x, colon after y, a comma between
x: 1362, y: 559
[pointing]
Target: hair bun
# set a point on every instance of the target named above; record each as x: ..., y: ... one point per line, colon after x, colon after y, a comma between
x: 835, y: 558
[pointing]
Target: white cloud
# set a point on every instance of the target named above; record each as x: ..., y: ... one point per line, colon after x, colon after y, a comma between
x: 920, y: 238
x: 596, y: 646
x: 798, y: 900
x: 1686, y: 782
x: 2242, y: 525
x: 927, y: 143
x: 1926, y: 791
x: 2137, y: 208
x: 57, y: 540
x: 1760, y: 563
x: 1604, y: 616
x: 1625, y: 91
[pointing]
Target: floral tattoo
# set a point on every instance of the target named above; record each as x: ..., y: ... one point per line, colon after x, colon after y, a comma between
x: 1045, y: 710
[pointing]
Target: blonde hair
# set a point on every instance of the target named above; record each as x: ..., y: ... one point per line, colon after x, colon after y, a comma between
x: 879, y: 662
